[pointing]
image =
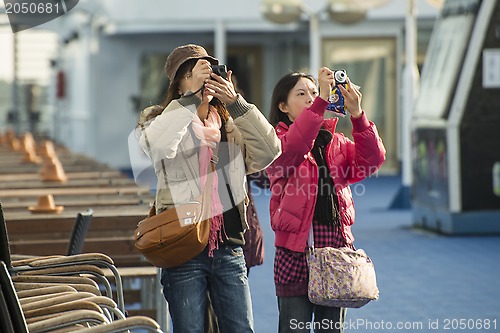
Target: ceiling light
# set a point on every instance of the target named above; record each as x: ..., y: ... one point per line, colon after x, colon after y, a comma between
x: 281, y: 11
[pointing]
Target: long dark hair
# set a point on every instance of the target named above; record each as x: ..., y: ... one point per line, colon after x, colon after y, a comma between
x: 280, y: 95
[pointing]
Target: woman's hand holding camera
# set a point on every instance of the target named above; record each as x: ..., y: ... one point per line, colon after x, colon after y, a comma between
x: 201, y: 73
x: 325, y: 82
x: 352, y: 95
x: 199, y: 76
x: 222, y: 89
x: 352, y: 99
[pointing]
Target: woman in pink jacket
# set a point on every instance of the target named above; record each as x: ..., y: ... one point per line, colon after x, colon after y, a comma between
x: 310, y: 186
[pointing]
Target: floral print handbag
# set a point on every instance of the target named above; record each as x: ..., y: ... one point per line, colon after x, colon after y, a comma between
x: 340, y: 277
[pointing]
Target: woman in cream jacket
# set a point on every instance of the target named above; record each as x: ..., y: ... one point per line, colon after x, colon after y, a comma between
x: 203, y: 117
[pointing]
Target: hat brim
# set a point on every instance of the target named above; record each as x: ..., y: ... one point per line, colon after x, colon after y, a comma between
x: 46, y: 210
x: 212, y: 60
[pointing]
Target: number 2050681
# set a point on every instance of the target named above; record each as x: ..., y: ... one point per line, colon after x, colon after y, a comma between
x: 32, y: 8
x: 469, y: 324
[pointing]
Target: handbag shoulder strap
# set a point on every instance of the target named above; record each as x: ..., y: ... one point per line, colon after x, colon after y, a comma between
x: 188, y: 169
x: 310, y: 237
x: 151, y: 154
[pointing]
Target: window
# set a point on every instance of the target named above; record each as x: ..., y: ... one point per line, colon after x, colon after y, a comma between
x: 370, y: 63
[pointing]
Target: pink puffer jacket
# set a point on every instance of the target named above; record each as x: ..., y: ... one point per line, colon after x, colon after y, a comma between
x: 294, y: 175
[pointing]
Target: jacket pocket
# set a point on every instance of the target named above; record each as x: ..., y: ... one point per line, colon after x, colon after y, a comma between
x: 175, y: 174
x: 177, y: 186
x: 285, y: 221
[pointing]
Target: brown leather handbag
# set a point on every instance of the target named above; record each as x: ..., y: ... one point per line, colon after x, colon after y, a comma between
x: 176, y: 235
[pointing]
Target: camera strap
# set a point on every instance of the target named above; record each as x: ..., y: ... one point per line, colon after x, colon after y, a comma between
x: 194, y: 93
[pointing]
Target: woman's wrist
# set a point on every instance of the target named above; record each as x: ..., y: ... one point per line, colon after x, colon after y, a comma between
x: 324, y: 96
x: 356, y: 114
x: 319, y: 106
x: 239, y: 107
x: 361, y: 123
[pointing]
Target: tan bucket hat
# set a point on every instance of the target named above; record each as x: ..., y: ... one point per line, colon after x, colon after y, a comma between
x: 183, y: 53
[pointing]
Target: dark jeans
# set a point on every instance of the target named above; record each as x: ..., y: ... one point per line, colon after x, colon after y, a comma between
x: 296, y: 315
x: 224, y: 277
x: 211, y: 325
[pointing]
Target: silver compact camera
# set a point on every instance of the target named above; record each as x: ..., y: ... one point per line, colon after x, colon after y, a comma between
x: 340, y: 76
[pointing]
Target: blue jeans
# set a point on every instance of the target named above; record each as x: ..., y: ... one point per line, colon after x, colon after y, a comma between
x: 225, y: 277
x: 296, y: 315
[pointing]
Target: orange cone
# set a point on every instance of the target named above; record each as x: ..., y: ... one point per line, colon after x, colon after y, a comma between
x: 30, y: 157
x: 27, y: 142
x: 46, y: 149
x: 46, y: 204
x: 14, y: 144
x: 52, y: 170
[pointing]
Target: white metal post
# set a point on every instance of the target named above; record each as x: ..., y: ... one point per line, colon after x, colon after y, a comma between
x: 15, y: 111
x: 410, y: 79
x: 220, y: 41
x: 314, y: 43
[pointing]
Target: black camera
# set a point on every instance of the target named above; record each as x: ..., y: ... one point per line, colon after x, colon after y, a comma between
x: 340, y: 76
x: 220, y: 70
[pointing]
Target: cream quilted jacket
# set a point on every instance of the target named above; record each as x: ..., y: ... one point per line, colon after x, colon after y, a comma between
x: 169, y: 142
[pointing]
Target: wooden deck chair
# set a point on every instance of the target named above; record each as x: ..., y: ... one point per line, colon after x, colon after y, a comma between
x: 5, y: 320
x: 63, y: 265
x: 98, y: 322
x: 16, y: 316
x: 79, y: 232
